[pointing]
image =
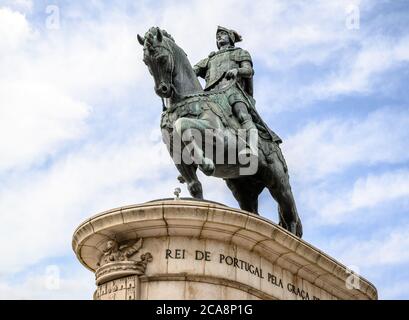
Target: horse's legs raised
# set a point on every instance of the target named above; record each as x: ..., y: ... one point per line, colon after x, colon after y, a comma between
x: 187, y: 171
x: 246, y: 191
x: 196, y: 133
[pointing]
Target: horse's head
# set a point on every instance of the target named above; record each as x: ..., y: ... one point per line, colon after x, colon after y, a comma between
x: 158, y: 56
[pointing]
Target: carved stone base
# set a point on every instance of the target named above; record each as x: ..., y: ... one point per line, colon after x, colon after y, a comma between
x: 123, y: 288
x: 203, y: 250
x: 116, y: 270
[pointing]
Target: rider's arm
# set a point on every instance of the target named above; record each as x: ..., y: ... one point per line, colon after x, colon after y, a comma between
x: 200, y: 68
x: 245, y: 70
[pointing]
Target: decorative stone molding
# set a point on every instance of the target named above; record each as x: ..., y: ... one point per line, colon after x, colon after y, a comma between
x: 115, y: 252
x: 204, y: 250
x: 115, y: 261
x: 125, y: 288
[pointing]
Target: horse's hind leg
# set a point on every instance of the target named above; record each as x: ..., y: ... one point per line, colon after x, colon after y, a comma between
x: 286, y: 208
x: 278, y: 183
x: 246, y: 191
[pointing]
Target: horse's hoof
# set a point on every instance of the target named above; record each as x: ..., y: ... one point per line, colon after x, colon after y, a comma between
x: 294, y: 229
x: 181, y: 179
x: 207, y: 167
x: 195, y: 189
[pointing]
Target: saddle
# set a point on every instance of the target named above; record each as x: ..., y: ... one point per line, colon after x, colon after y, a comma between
x: 194, y: 105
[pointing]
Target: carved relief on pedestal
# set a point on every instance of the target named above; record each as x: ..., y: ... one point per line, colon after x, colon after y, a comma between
x: 120, y: 289
x: 119, y: 261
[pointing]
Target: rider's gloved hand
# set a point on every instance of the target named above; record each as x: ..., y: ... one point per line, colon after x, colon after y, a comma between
x: 231, y: 74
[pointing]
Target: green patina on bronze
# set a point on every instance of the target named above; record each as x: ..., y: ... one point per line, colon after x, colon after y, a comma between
x: 226, y: 104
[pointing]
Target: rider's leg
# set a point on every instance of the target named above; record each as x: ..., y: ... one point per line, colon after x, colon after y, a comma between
x: 241, y: 113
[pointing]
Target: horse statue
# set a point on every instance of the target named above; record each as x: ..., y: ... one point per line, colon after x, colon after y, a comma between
x: 191, y: 109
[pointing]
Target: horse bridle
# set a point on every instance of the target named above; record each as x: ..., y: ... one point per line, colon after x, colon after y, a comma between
x: 172, y: 61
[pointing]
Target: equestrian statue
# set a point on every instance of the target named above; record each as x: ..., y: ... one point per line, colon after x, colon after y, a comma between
x: 218, y: 129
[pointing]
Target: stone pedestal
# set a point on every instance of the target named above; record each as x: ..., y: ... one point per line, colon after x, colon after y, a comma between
x: 188, y: 249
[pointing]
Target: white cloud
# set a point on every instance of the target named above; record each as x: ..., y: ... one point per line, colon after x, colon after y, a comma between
x: 340, y: 61
x: 321, y: 154
x: 35, y: 119
x: 383, y: 249
x: 359, y: 72
x: 366, y: 193
x: 332, y: 146
x: 46, y: 206
x: 372, y: 191
x: 395, y: 290
x: 14, y: 30
x: 50, y: 82
x: 379, y: 255
x: 352, y: 72
x: 21, y: 5
x: 280, y: 33
x: 78, y: 285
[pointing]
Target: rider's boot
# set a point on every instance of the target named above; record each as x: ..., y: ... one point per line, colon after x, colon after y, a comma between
x: 251, y: 139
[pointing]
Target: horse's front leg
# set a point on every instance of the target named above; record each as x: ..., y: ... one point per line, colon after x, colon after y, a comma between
x: 187, y: 171
x: 192, y: 133
x: 188, y: 175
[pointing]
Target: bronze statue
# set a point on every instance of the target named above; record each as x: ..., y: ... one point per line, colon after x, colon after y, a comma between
x: 234, y: 63
x: 203, y: 120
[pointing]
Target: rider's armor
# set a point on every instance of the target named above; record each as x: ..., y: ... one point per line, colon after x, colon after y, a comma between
x: 214, y: 68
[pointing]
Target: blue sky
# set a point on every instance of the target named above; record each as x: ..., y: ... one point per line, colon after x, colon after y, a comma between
x: 77, y: 111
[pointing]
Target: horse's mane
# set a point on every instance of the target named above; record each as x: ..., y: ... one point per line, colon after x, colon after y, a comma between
x: 154, y: 32
x: 167, y: 35
x: 183, y: 66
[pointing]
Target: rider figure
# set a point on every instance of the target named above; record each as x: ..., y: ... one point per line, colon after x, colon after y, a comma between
x: 220, y: 67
